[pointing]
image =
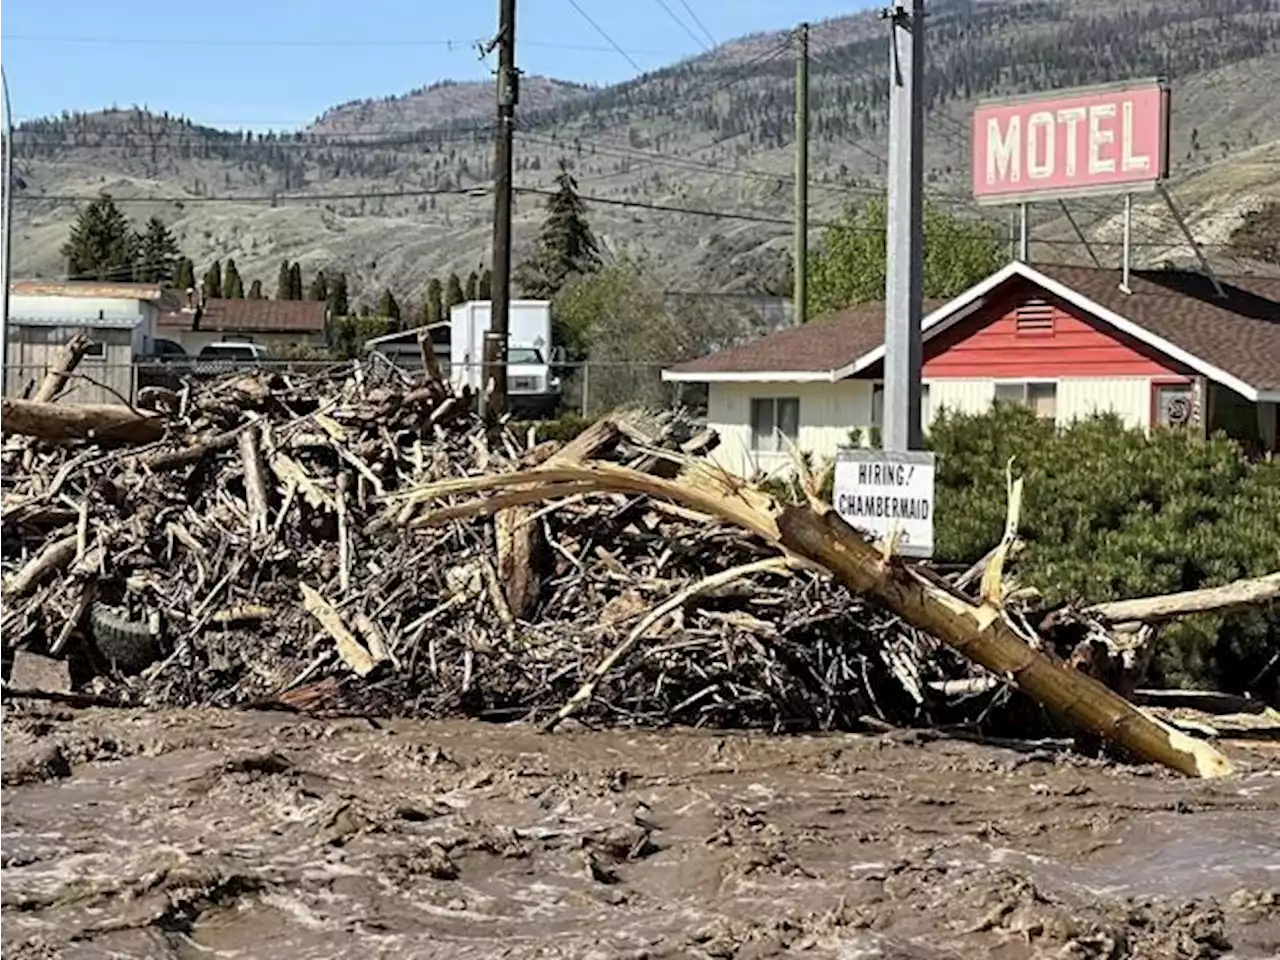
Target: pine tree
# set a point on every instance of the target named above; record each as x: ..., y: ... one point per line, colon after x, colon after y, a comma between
x: 283, y: 282
x: 566, y: 245
x: 433, y: 305
x: 255, y: 290
x: 389, y: 308
x: 484, y: 291
x: 102, y: 245
x: 157, y: 254
x: 319, y: 289
x: 339, y: 304
x: 295, y: 281
x: 185, y: 274
x: 473, y: 282
x: 232, y: 285
x: 213, y: 281
x: 453, y: 293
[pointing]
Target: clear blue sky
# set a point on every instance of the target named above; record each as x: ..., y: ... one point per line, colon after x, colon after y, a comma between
x: 279, y: 63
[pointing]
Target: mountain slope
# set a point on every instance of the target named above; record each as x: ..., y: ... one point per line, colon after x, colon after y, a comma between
x: 400, y: 183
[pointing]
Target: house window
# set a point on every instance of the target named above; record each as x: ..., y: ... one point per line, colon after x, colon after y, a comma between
x: 1173, y: 404
x: 1035, y: 317
x: 775, y: 423
x: 97, y: 350
x: 877, y: 406
x: 1041, y: 398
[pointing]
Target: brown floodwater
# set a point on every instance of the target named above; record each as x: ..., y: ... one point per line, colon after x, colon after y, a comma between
x: 202, y: 834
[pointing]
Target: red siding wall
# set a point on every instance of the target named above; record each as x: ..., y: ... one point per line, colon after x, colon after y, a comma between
x: 989, y: 345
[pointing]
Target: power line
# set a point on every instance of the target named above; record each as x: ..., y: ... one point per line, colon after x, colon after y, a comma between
x: 701, y: 26
x: 272, y: 198
x: 600, y: 30
x: 683, y: 26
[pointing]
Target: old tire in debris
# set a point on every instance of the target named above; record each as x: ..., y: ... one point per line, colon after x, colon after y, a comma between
x: 129, y: 644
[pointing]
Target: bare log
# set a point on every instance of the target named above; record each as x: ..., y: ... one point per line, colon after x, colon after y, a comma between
x: 66, y: 359
x: 1241, y: 593
x: 518, y: 540
x: 97, y: 421
x: 255, y: 483
x: 979, y: 631
x: 54, y: 557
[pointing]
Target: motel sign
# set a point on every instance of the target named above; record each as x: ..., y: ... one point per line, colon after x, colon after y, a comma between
x: 1071, y: 143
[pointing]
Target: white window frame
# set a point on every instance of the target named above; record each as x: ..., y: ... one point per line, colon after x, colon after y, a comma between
x: 775, y: 441
x: 1026, y: 386
x: 877, y: 408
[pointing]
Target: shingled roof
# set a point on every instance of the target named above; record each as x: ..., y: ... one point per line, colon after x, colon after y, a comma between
x: 1234, y: 339
x: 252, y: 316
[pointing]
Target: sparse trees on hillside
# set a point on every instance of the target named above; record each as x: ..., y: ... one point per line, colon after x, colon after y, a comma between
x: 213, y: 281
x: 566, y: 246
x: 157, y: 254
x: 849, y: 266
x: 1258, y: 236
x: 284, y: 287
x: 232, y: 285
x: 102, y: 245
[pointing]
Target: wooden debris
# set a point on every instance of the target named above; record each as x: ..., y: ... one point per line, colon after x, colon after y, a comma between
x: 98, y: 421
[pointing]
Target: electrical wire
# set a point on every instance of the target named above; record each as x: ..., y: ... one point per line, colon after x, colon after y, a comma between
x: 600, y: 30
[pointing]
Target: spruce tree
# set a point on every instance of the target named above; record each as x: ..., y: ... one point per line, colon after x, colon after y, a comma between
x: 473, y: 282
x: 283, y: 282
x: 339, y: 304
x: 157, y: 254
x: 484, y: 291
x: 232, y: 285
x: 565, y: 247
x: 255, y: 290
x: 453, y: 293
x: 102, y: 245
x: 185, y: 274
x: 319, y: 289
x: 295, y: 281
x: 433, y: 305
x: 213, y: 281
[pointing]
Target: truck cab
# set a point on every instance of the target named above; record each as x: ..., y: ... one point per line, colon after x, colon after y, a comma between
x: 532, y: 389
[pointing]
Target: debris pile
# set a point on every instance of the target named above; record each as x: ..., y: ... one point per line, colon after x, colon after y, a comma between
x: 238, y: 544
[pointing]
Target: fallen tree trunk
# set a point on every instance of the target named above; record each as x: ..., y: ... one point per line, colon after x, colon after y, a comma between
x: 96, y: 421
x: 66, y: 359
x: 1241, y: 593
x: 977, y: 630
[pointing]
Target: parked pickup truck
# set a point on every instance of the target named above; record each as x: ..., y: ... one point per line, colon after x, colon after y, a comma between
x: 216, y: 358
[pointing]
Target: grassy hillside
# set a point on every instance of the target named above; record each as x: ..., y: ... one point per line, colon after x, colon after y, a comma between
x: 399, y: 183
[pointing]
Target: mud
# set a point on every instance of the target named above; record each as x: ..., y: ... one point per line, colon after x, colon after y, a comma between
x: 202, y: 834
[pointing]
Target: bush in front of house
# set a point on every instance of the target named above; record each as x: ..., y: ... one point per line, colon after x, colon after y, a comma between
x: 1109, y: 512
x: 563, y: 429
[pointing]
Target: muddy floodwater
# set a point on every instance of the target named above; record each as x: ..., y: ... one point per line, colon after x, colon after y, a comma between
x: 208, y: 835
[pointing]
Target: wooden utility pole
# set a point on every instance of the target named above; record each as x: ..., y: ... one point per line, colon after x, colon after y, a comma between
x: 800, y: 293
x: 904, y: 247
x: 495, y: 341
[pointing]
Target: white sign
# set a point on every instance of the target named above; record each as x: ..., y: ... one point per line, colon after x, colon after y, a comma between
x: 883, y: 492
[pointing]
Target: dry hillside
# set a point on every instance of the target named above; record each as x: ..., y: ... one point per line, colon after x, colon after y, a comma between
x: 393, y: 190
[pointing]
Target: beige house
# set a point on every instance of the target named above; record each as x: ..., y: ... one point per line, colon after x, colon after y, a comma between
x: 120, y: 318
x: 272, y: 323
x: 1065, y: 341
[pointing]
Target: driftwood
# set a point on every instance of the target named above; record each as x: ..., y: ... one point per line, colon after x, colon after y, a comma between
x: 255, y: 484
x: 99, y: 421
x: 979, y: 631
x: 1241, y: 593
x: 65, y: 359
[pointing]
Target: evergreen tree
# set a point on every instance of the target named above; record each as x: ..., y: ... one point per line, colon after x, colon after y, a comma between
x: 484, y: 291
x: 282, y: 282
x: 473, y: 283
x: 295, y: 281
x: 255, y: 290
x: 102, y: 245
x: 389, y: 308
x: 453, y: 293
x: 566, y: 246
x: 433, y: 305
x: 232, y: 285
x: 185, y: 274
x: 213, y: 281
x: 339, y: 304
x: 157, y: 254
x: 319, y: 289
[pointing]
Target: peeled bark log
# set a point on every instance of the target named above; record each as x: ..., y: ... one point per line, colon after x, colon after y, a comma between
x: 54, y: 557
x: 517, y: 542
x: 979, y: 631
x: 255, y: 483
x: 97, y: 421
x: 1241, y: 593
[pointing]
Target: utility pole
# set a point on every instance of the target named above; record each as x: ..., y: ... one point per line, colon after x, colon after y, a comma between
x: 7, y: 213
x: 495, y: 340
x: 904, y: 247
x: 800, y: 293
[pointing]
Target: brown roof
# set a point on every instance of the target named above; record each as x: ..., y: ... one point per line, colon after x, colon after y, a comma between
x: 827, y: 343
x: 1239, y: 334
x: 252, y: 316
x: 103, y: 289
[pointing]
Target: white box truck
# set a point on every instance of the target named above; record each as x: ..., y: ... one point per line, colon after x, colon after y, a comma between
x: 531, y: 387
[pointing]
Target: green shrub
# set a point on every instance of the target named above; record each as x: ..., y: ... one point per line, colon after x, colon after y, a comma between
x: 1109, y: 512
x: 563, y: 429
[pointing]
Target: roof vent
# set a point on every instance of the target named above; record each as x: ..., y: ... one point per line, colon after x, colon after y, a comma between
x: 1034, y: 316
